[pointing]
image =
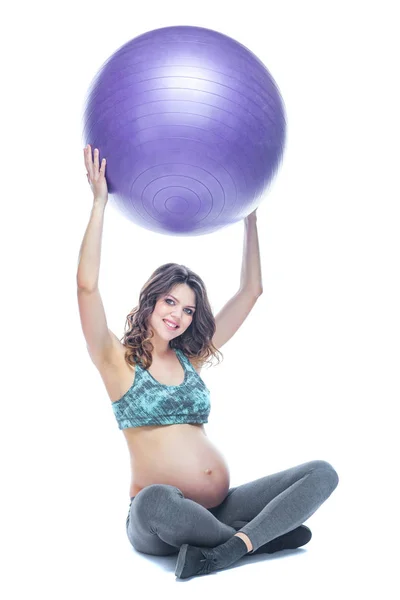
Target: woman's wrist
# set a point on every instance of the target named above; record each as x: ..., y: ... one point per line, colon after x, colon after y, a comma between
x: 99, y: 201
x: 250, y: 219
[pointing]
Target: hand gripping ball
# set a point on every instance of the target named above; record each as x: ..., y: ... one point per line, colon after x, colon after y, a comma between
x: 192, y: 126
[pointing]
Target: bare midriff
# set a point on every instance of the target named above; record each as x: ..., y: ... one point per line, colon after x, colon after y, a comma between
x: 180, y: 455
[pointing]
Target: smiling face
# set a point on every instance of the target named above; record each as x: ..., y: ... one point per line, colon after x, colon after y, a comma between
x: 178, y: 306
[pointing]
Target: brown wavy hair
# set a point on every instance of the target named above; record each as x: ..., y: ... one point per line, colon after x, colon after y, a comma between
x: 195, y: 342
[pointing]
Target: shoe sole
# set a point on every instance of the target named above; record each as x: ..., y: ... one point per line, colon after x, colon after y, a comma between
x: 180, y: 563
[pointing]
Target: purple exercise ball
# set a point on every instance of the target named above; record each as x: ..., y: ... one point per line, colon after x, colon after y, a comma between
x: 192, y: 125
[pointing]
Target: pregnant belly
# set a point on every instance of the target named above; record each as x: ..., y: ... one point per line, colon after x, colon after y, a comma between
x: 182, y: 456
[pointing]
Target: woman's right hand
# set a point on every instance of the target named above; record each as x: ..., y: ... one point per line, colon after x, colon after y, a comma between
x: 96, y: 174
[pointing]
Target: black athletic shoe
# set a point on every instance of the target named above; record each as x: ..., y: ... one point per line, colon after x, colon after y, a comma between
x: 194, y: 561
x: 290, y: 540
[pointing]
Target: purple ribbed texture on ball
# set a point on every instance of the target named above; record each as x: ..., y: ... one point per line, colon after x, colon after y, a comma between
x: 192, y: 126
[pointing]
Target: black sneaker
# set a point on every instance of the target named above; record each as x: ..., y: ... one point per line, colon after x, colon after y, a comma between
x: 290, y: 540
x: 194, y: 561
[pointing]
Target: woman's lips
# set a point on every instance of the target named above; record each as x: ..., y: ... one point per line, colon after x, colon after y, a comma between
x: 170, y: 322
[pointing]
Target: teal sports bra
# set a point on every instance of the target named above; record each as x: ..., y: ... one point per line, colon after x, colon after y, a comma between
x: 149, y: 402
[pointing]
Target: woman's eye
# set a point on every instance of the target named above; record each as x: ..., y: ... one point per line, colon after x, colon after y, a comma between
x: 190, y: 313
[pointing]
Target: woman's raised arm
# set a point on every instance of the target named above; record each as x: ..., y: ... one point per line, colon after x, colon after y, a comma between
x: 99, y: 339
x: 89, y: 256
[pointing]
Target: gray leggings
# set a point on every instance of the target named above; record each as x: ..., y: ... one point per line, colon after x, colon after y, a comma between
x: 161, y: 519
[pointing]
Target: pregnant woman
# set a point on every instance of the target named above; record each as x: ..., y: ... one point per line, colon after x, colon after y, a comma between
x: 180, y: 498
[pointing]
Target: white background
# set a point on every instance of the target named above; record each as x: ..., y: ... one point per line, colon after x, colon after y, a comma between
x: 320, y: 349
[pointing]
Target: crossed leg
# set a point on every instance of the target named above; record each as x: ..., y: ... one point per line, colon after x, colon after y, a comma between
x: 161, y: 519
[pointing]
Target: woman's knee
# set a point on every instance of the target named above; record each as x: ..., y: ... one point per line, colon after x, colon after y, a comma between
x: 327, y: 475
x: 149, y: 497
x: 155, y: 490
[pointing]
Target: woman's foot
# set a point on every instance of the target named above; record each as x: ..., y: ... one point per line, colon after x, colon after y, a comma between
x: 194, y: 561
x: 202, y: 561
x: 290, y: 540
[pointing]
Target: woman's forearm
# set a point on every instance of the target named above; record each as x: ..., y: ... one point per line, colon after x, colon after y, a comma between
x: 90, y: 252
x: 251, y: 277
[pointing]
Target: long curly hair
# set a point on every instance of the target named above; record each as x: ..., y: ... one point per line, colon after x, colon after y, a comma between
x: 195, y: 342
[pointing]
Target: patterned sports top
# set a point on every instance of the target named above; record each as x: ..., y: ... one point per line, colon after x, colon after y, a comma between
x: 149, y: 402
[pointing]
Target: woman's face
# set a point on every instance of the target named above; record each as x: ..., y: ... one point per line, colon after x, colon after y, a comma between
x: 177, y: 306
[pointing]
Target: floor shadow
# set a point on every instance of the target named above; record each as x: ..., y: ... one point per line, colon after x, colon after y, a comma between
x: 168, y: 563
